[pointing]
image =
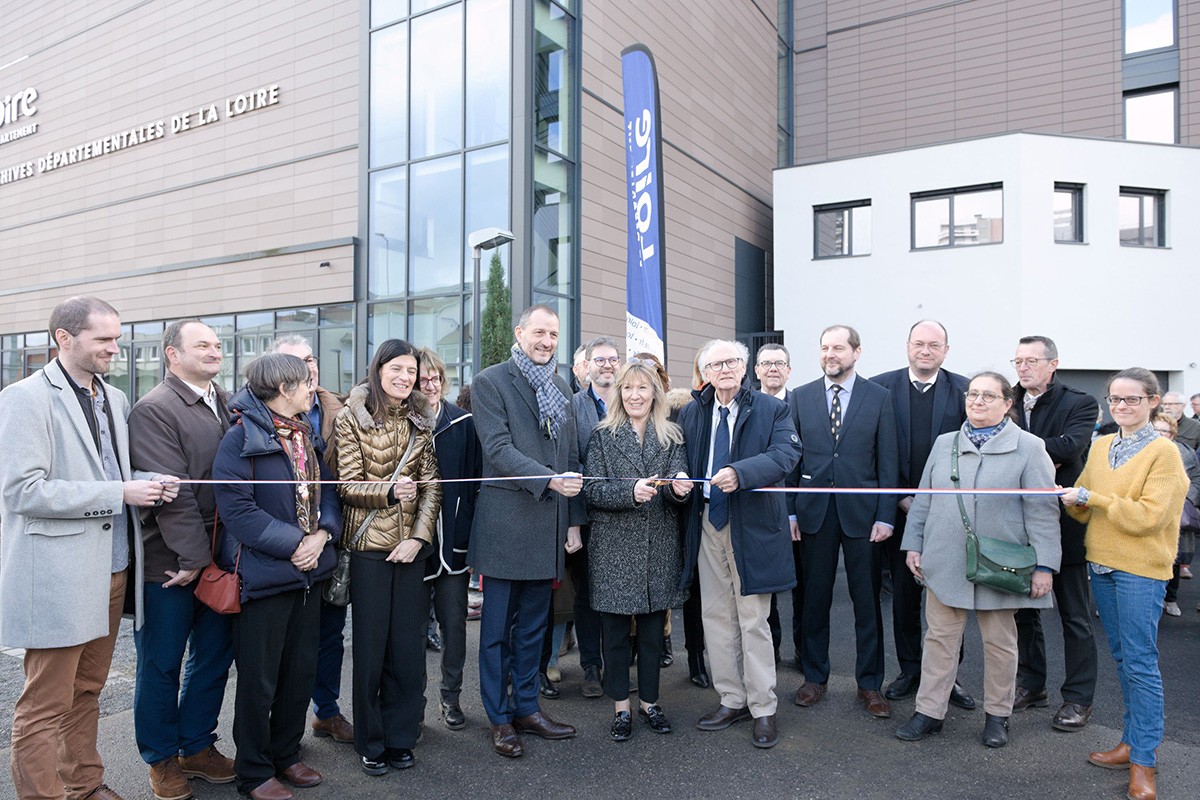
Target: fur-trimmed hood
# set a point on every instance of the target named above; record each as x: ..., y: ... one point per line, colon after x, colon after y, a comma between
x: 677, y: 399
x: 416, y: 409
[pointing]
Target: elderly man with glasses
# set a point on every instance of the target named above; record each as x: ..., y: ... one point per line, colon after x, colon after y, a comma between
x: 1064, y: 418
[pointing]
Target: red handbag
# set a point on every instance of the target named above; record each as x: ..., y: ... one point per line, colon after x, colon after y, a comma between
x: 220, y: 590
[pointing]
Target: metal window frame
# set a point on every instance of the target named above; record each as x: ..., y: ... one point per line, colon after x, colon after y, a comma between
x: 949, y: 194
x: 1160, y: 216
x: 1174, y: 31
x: 826, y: 208
x: 1076, y: 192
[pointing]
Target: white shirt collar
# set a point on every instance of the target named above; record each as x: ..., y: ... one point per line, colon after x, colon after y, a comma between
x: 912, y: 378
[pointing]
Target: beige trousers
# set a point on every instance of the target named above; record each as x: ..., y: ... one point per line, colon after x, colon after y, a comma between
x: 55, y: 720
x: 939, y: 661
x: 736, y: 634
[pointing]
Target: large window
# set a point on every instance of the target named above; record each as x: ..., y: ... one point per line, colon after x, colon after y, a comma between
x: 1149, y: 25
x: 1068, y: 212
x: 1152, y: 116
x: 842, y: 229
x: 1141, y: 215
x: 968, y: 215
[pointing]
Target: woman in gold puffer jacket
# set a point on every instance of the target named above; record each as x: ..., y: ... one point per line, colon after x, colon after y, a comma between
x: 389, y: 529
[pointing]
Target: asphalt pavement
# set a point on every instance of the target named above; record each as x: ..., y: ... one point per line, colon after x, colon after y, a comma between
x: 833, y: 750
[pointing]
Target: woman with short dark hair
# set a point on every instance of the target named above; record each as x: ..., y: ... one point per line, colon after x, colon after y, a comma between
x: 276, y: 539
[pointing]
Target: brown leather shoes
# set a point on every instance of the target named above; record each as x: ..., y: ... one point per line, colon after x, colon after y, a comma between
x: 1117, y: 758
x: 765, y: 735
x: 1027, y: 698
x: 809, y: 694
x: 167, y: 781
x: 722, y: 718
x: 103, y: 792
x: 506, y: 742
x: 337, y: 728
x: 1071, y: 717
x: 875, y: 703
x: 1141, y: 783
x: 301, y: 775
x: 540, y: 725
x: 208, y: 765
x: 271, y: 790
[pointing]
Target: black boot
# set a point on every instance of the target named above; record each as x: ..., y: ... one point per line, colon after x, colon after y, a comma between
x: 668, y: 658
x: 995, y: 731
x: 698, y: 674
x: 918, y: 728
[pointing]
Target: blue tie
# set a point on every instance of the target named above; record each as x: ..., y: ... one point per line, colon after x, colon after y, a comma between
x: 718, y: 501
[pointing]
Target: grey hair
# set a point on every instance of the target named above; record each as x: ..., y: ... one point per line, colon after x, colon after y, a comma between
x: 265, y: 374
x: 709, y: 346
x: 173, y: 333
x: 72, y: 315
x: 523, y: 322
x: 1044, y: 341
x: 599, y: 341
x: 580, y: 354
x: 774, y: 346
x: 289, y: 340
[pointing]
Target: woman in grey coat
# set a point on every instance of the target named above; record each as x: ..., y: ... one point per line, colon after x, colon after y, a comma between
x: 635, y: 556
x: 994, y: 453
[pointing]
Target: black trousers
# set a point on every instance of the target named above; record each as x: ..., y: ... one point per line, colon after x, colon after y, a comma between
x: 693, y: 628
x: 587, y: 619
x: 797, y: 609
x: 906, y: 602
x: 450, y: 608
x: 275, y: 648
x: 1072, y: 596
x: 617, y: 653
x: 390, y: 610
x: 862, y: 560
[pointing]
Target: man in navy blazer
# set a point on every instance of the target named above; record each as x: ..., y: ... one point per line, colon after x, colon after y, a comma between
x: 849, y: 433
x: 928, y: 401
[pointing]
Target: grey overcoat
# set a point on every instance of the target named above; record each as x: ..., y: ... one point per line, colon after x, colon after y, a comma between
x: 634, y: 554
x: 56, y: 523
x: 520, y: 527
x: 1012, y: 459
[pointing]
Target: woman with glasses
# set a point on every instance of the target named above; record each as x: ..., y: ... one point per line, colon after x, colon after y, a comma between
x: 277, y: 539
x: 990, y: 451
x: 384, y: 439
x: 635, y: 558
x: 1167, y: 427
x: 1130, y: 496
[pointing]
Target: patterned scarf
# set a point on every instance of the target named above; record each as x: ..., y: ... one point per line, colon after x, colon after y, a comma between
x: 297, y: 444
x: 980, y: 436
x: 552, y: 403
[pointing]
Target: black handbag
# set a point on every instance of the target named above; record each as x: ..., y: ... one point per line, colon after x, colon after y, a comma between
x: 993, y: 562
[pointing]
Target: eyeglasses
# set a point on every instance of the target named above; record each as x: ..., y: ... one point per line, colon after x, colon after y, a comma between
x: 987, y: 397
x: 1027, y: 362
x: 1165, y: 431
x: 431, y: 379
x: 1132, y: 400
x: 612, y: 361
x: 775, y: 364
x: 308, y: 382
x: 933, y: 347
x: 716, y: 366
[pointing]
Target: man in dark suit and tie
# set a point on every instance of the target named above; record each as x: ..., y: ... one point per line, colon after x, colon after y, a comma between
x: 928, y: 401
x: 849, y: 433
x: 526, y: 427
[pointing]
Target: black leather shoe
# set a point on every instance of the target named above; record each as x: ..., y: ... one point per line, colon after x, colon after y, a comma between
x: 995, y: 731
x: 765, y: 734
x: 722, y: 718
x: 622, y: 727
x: 453, y: 716
x: 1026, y: 698
x: 539, y: 724
x: 1071, y: 717
x: 547, y: 689
x: 668, y: 657
x: 960, y: 698
x: 374, y: 766
x: 697, y: 674
x: 918, y: 728
x: 591, y: 683
x: 904, y: 685
x: 400, y: 757
x: 655, y: 719
x: 506, y: 742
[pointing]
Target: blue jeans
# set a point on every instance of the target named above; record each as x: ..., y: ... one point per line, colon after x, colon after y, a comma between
x: 1130, y: 607
x: 330, y: 651
x: 173, y: 717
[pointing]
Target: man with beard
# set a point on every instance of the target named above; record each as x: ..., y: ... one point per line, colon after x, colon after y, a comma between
x: 849, y: 434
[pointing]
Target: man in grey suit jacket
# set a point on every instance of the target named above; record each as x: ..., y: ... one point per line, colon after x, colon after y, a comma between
x: 67, y: 546
x: 526, y: 426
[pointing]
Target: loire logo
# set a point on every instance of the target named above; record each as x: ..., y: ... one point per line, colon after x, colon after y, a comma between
x: 15, y: 108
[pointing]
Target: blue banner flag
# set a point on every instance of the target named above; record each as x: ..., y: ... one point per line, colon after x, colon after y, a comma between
x: 645, y: 272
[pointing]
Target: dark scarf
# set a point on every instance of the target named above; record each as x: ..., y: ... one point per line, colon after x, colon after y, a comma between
x: 552, y: 403
x: 296, y: 439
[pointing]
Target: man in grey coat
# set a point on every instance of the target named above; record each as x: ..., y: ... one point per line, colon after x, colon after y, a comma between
x: 67, y: 547
x: 526, y: 426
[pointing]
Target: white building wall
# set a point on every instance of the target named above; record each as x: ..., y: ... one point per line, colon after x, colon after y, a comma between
x: 1105, y: 305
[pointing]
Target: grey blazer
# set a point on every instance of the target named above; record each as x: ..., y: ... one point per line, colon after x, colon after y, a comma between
x: 56, y: 524
x: 586, y: 419
x: 520, y: 527
x: 1013, y: 458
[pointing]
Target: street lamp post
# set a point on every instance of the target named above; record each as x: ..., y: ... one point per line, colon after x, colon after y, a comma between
x: 480, y: 240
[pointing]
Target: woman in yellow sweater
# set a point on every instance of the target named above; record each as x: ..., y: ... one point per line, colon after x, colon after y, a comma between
x: 1131, y: 496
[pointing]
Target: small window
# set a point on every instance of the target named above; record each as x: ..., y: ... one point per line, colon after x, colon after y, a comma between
x: 1149, y: 25
x: 1153, y: 116
x: 842, y: 229
x: 1068, y: 212
x: 1142, y: 216
x: 958, y: 217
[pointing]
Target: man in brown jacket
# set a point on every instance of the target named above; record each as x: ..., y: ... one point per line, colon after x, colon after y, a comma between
x: 176, y: 429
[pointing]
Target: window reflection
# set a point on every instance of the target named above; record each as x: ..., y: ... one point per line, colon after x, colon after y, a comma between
x: 843, y: 231
x: 930, y: 218
x: 553, y: 78
x: 488, y: 51
x: 388, y: 220
x: 386, y: 322
x: 1068, y: 213
x: 384, y: 11
x: 959, y: 219
x: 436, y: 247
x: 389, y: 91
x: 1140, y: 215
x: 1151, y: 117
x: 487, y: 202
x: 552, y: 223
x: 436, y: 323
x: 437, y: 82
x: 1149, y: 25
